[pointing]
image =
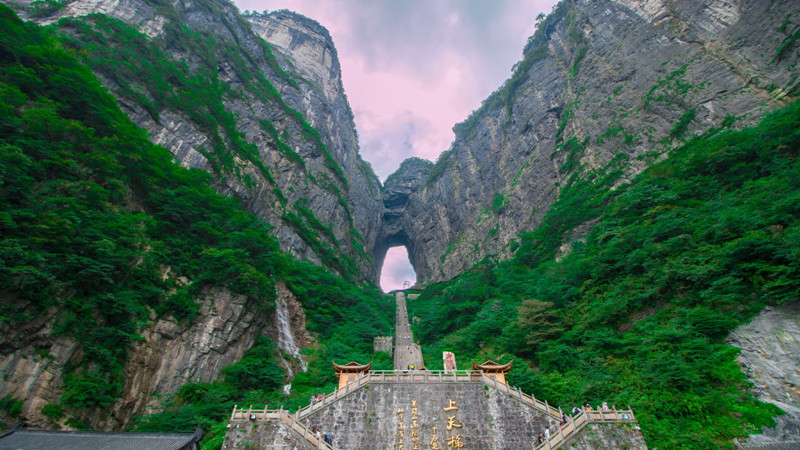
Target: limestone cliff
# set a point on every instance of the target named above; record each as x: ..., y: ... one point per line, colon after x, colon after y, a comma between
x: 396, y: 190
x: 169, y: 355
x: 770, y: 358
x: 602, y: 84
x: 274, y: 126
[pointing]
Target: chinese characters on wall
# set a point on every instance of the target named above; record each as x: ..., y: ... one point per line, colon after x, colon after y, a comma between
x: 454, y: 440
x: 449, y: 436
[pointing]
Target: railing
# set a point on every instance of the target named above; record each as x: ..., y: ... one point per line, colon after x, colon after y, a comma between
x: 525, y: 398
x: 580, y: 421
x: 567, y: 431
x: 332, y: 397
x: 424, y: 376
x: 284, y: 416
x: 391, y: 376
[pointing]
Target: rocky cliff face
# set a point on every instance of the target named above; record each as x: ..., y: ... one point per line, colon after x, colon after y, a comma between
x: 169, y: 355
x: 306, y: 49
x: 770, y: 358
x: 397, y: 188
x: 274, y: 126
x: 603, y: 84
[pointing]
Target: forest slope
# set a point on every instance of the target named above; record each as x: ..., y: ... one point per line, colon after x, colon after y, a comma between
x: 637, y: 312
x: 106, y: 242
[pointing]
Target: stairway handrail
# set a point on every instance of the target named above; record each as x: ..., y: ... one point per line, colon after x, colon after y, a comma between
x: 580, y: 421
x: 287, y: 418
x: 304, y: 431
x: 516, y: 392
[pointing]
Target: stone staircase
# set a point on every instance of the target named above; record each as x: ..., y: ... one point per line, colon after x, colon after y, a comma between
x: 530, y: 400
x: 411, y: 376
x: 422, y: 380
x: 577, y: 423
x: 282, y: 415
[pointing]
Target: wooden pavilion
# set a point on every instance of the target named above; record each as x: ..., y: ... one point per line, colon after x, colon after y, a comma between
x: 493, y: 369
x: 350, y: 372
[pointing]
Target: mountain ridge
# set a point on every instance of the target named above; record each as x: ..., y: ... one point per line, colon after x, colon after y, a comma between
x: 582, y: 98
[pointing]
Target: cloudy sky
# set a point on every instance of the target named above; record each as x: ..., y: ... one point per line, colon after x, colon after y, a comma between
x: 414, y: 68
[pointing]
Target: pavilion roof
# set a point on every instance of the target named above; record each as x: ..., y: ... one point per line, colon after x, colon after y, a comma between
x: 491, y: 366
x: 351, y: 367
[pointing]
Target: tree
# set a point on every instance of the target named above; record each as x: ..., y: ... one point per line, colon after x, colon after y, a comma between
x: 538, y: 321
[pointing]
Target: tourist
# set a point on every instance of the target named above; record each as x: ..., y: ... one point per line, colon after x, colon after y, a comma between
x: 563, y: 419
x: 313, y: 399
x: 540, y: 439
x: 547, y: 432
x: 314, y: 428
x: 576, y: 411
x: 605, y: 407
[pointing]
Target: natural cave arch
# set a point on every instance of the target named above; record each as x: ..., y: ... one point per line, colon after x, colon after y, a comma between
x: 396, y: 271
x: 396, y: 191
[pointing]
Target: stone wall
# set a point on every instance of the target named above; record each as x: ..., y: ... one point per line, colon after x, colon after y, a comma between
x: 383, y: 344
x: 369, y: 418
x: 272, y: 435
x: 608, y: 435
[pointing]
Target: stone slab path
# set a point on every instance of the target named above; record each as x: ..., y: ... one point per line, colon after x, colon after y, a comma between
x: 406, y: 352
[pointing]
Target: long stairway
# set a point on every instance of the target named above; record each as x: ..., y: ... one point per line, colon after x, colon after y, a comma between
x: 405, y: 408
x: 290, y: 420
x: 406, y: 352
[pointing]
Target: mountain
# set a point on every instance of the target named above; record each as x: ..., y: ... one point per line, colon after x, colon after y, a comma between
x: 606, y: 218
x: 602, y: 86
x: 128, y: 279
x: 274, y: 129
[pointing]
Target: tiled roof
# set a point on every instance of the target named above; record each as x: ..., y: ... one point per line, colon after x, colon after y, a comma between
x: 82, y: 440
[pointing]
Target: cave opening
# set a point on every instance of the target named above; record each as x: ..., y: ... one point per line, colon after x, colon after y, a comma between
x: 397, y: 272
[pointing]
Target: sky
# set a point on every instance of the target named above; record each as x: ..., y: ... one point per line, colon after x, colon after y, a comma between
x: 412, y: 69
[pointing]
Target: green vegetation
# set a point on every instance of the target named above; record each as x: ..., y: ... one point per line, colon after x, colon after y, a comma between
x: 673, y: 89
x: 101, y: 228
x: 147, y: 74
x: 679, y: 129
x: 43, y: 8
x: 791, y: 39
x: 408, y: 162
x: 283, y: 147
x: 10, y: 406
x: 52, y: 412
x: 444, y: 161
x: 638, y: 313
x: 498, y: 202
